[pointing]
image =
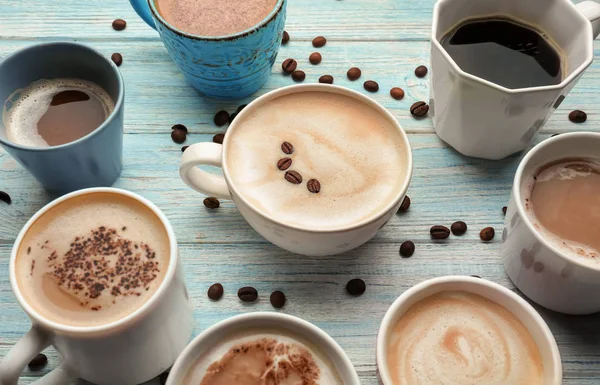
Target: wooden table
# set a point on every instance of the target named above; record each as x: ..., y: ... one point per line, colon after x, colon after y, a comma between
x: 387, y: 39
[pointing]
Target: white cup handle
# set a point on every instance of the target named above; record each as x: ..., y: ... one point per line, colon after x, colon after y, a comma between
x: 207, y: 154
x: 591, y: 10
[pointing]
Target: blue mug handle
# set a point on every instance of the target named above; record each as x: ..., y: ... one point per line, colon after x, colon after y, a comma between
x: 142, y: 8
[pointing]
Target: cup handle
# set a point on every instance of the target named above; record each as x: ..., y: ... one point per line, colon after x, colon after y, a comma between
x: 591, y: 10
x: 142, y: 8
x: 209, y: 154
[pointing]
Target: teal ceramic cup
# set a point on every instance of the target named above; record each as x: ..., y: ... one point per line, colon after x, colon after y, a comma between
x: 91, y: 161
x: 223, y: 67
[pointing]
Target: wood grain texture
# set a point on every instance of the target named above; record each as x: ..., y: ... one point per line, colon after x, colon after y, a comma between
x: 387, y: 39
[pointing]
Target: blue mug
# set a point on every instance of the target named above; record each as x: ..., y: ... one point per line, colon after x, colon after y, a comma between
x: 223, y: 67
x: 91, y: 161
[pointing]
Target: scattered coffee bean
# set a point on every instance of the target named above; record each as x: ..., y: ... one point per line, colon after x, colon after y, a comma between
x: 487, y: 234
x: 289, y: 65
x: 407, y: 249
x: 240, y: 108
x: 313, y: 186
x: 397, y: 93
x: 356, y: 286
x: 215, y: 291
x: 117, y: 58
x: 298, y: 75
x: 371, y: 86
x: 315, y: 58
x: 421, y: 71
x: 458, y: 228
x: 5, y: 197
x: 163, y: 378
x: 248, y: 294
x: 277, y: 299
x: 178, y: 134
x: 553, y: 135
x: 504, y: 210
x: 119, y: 24
x: 419, y: 109
x: 212, y: 203
x: 327, y: 79
x: 287, y: 148
x: 293, y: 177
x: 221, y: 118
x: 577, y: 116
x: 354, y: 73
x: 218, y: 138
x: 232, y: 117
x: 284, y: 163
x: 405, y: 204
x: 285, y: 38
x: 475, y: 276
x: 38, y: 362
x: 319, y: 41
x: 184, y: 148
x: 439, y: 232
x: 180, y: 127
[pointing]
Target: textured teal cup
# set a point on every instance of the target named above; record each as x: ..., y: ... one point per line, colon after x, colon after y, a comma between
x: 223, y: 67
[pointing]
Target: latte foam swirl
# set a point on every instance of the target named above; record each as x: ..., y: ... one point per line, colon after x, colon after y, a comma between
x: 462, y: 338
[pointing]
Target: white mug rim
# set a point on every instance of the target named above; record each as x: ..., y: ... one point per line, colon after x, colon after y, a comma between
x: 183, y: 361
x: 381, y: 348
x: 399, y: 194
x: 517, y: 194
x: 588, y: 60
x: 39, y: 320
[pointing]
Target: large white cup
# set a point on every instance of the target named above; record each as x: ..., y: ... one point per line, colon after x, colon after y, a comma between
x: 129, y: 351
x: 485, y: 120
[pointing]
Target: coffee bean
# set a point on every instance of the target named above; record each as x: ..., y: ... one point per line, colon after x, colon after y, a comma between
x: 419, y: 109
x: 180, y: 127
x: 248, y: 294
x: 212, y: 203
x: 313, y: 186
x: 487, y: 234
x: 397, y: 93
x: 184, y: 148
x: 284, y: 163
x: 577, y: 116
x: 215, y: 291
x: 504, y: 210
x: 327, y: 79
x: 293, y: 177
x: 298, y: 75
x: 287, y: 148
x: 285, y: 38
x: 319, y: 42
x: 5, y: 197
x: 119, y: 24
x: 356, y: 286
x: 218, y: 138
x: 277, y: 299
x: 117, y: 58
x: 421, y: 71
x: 178, y: 135
x: 405, y: 204
x: 240, y: 108
x: 407, y: 249
x: 371, y: 86
x: 439, y: 232
x: 315, y: 58
x: 475, y: 276
x: 553, y: 135
x: 221, y: 118
x: 354, y: 73
x: 289, y: 65
x: 232, y: 117
x: 458, y: 228
x: 163, y: 378
x: 38, y: 362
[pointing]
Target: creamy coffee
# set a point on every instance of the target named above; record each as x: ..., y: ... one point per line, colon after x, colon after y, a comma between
x: 214, y: 18
x: 92, y: 259
x: 564, y: 205
x: 263, y: 357
x: 458, y: 338
x: 51, y: 112
x: 357, y: 155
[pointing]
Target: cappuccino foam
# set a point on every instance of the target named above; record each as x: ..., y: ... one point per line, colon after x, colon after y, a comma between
x: 357, y: 155
x: 92, y: 259
x: 263, y: 357
x: 458, y: 338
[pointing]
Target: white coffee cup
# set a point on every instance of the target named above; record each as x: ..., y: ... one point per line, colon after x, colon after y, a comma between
x: 293, y: 238
x: 129, y: 351
x: 485, y: 120
x: 264, y: 320
x: 541, y: 270
x: 534, y: 323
